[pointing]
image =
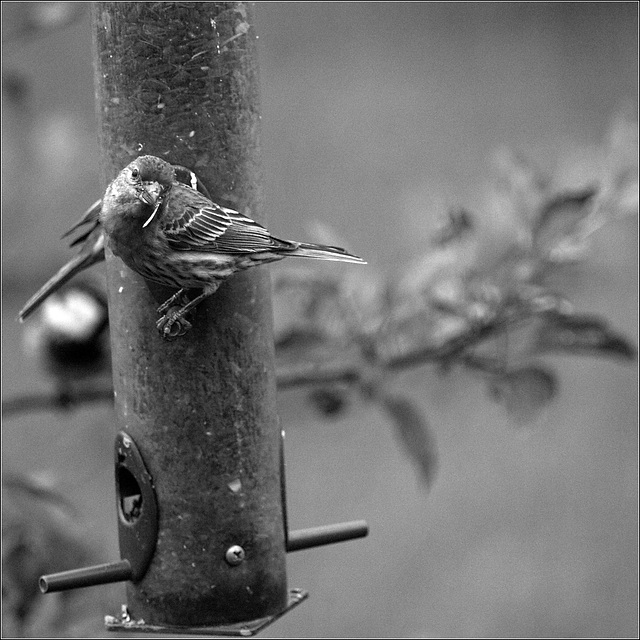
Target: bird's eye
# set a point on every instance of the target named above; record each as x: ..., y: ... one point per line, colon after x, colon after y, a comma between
x: 135, y: 173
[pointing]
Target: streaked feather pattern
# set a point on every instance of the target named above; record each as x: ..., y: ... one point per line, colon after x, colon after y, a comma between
x: 205, y: 226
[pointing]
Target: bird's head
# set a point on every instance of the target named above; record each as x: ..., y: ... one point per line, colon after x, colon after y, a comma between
x: 136, y: 192
x: 146, y: 176
x: 152, y: 169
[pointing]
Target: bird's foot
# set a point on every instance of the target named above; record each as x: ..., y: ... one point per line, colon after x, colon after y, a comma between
x: 173, y: 324
x: 180, y: 298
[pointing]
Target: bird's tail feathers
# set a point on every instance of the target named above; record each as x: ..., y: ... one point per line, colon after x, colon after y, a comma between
x: 90, y: 216
x: 64, y: 274
x: 325, y: 252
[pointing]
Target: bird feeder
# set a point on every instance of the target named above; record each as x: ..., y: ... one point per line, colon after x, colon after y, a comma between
x: 137, y: 512
x: 199, y: 455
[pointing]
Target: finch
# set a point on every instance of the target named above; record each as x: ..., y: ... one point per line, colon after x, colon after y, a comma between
x: 175, y: 236
x: 91, y: 242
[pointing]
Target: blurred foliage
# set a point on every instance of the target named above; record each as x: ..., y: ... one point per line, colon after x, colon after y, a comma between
x: 480, y: 297
x: 42, y: 533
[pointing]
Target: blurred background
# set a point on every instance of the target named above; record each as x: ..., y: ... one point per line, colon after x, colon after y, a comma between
x: 376, y: 118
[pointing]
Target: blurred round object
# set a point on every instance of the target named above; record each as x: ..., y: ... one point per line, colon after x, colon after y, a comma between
x: 69, y: 337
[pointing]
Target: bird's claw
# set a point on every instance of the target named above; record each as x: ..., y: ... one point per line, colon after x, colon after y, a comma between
x: 180, y: 299
x: 172, y: 325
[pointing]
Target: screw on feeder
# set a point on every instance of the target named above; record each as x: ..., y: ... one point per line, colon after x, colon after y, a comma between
x: 235, y: 555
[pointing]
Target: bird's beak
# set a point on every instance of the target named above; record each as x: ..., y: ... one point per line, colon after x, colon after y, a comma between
x: 146, y: 196
x: 151, y: 194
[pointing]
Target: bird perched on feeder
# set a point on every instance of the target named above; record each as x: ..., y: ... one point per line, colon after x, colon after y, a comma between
x: 175, y: 236
x: 91, y: 244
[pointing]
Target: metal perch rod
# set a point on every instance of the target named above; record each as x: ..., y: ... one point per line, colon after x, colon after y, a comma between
x: 327, y: 534
x: 86, y: 577
x: 121, y: 571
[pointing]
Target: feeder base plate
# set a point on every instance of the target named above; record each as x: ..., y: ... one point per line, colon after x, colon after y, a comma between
x: 124, y: 622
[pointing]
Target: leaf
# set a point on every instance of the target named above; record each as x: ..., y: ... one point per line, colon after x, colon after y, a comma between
x: 484, y: 364
x: 449, y: 294
x: 582, y: 335
x: 619, y: 195
x: 560, y: 233
x: 523, y: 391
x: 420, y: 275
x: 517, y: 177
x: 419, y: 334
x: 305, y: 296
x: 543, y: 301
x: 331, y: 401
x: 622, y: 170
x: 414, y: 433
x: 458, y: 224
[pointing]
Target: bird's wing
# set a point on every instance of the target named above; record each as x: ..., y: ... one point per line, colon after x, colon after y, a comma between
x: 197, y: 224
x: 89, y: 217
